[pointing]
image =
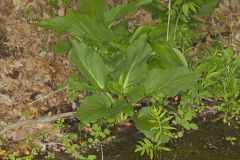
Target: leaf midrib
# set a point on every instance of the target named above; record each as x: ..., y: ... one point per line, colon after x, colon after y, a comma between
x: 127, y: 76
x: 86, y: 68
x: 180, y: 79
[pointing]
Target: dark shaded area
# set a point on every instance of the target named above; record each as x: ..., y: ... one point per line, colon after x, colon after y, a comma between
x: 14, y: 74
x: 4, y: 49
x: 208, y: 143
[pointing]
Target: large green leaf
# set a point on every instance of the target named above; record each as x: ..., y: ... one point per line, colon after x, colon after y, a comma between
x: 121, y: 106
x: 168, y: 58
x: 99, y: 106
x: 90, y: 22
x: 93, y: 8
x: 142, y: 122
x: 58, y: 24
x: 141, y: 30
x: 158, y: 33
x: 89, y: 63
x: 170, y: 81
x: 156, y: 10
x: 85, y: 26
x: 120, y: 30
x: 84, y: 23
x: 134, y: 66
x: 121, y: 10
x: 134, y: 94
x: 206, y: 6
x: 93, y: 108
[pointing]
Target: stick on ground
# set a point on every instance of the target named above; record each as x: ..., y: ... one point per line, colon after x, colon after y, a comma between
x: 34, y: 122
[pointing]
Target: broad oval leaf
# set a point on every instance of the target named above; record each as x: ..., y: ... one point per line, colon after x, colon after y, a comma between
x: 121, y: 106
x: 134, y: 67
x: 89, y: 63
x: 84, y: 26
x: 93, y: 8
x: 99, y: 106
x: 139, y: 31
x: 134, y: 94
x: 168, y: 57
x: 84, y: 23
x: 206, y: 6
x: 93, y: 108
x: 170, y: 81
x: 58, y: 24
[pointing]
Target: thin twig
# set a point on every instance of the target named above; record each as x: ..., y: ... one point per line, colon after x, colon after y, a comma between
x: 44, y: 97
x: 34, y: 122
x: 169, y: 17
x: 102, y: 151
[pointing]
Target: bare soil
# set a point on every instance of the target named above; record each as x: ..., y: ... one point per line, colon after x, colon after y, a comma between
x: 28, y: 70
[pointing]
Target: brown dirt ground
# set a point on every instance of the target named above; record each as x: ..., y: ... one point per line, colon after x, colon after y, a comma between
x: 28, y: 71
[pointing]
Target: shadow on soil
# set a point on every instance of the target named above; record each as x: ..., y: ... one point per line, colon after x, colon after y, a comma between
x: 208, y: 143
